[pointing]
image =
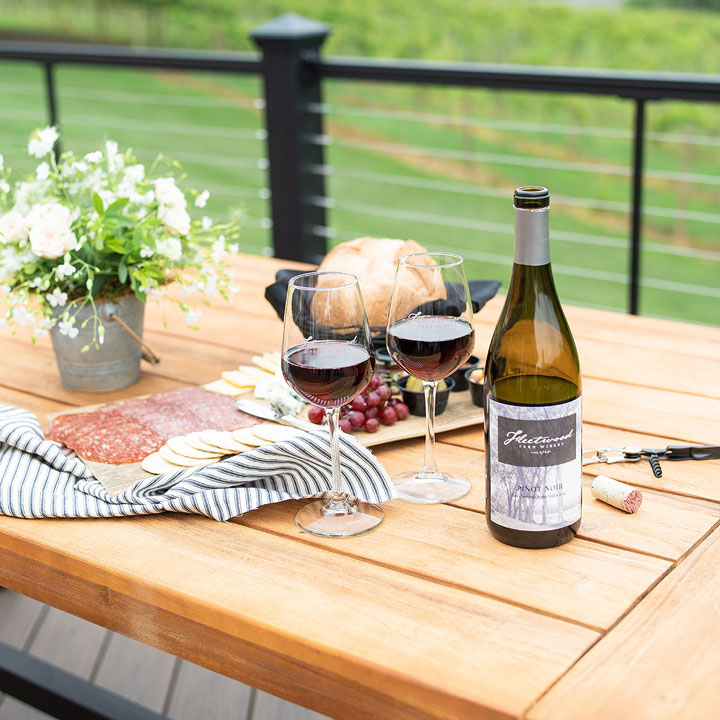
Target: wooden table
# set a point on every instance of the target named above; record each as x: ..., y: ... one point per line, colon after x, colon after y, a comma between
x: 427, y: 617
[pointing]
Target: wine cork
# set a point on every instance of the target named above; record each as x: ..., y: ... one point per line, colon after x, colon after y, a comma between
x: 619, y: 495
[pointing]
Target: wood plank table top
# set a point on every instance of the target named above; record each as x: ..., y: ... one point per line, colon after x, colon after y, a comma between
x: 428, y: 616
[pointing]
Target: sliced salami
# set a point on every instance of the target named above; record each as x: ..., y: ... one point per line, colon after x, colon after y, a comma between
x: 128, y: 431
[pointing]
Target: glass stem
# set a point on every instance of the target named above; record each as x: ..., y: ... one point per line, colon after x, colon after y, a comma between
x: 430, y: 469
x: 338, y: 489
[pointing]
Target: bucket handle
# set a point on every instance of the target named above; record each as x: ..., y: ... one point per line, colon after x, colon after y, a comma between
x: 147, y: 353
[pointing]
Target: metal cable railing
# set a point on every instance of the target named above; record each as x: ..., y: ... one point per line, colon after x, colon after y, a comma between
x: 293, y: 72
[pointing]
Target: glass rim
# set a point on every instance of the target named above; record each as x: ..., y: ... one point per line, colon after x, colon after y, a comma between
x: 457, y: 260
x: 351, y: 280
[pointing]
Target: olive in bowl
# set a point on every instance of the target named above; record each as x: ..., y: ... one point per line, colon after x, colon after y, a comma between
x: 414, y: 396
x: 476, y: 381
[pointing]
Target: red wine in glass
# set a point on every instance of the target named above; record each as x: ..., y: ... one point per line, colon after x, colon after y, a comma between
x: 430, y: 347
x: 328, y: 373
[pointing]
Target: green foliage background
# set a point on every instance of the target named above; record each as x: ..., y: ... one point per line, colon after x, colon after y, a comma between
x: 196, y: 118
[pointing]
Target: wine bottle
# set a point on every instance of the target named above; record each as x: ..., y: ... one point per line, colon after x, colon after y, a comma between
x: 533, y: 448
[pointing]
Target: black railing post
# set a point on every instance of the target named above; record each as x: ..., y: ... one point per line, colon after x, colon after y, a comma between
x: 51, y: 102
x: 636, y: 229
x: 293, y: 133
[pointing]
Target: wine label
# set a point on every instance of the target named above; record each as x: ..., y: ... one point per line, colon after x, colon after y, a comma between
x: 535, y: 458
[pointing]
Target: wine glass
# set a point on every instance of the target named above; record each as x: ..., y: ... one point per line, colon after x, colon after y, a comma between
x: 430, y: 335
x: 328, y: 359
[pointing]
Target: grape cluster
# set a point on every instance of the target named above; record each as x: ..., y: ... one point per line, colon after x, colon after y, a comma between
x: 374, y: 406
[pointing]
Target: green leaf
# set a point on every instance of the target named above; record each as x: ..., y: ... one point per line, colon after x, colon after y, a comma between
x: 118, y: 205
x: 98, y: 203
x: 122, y: 273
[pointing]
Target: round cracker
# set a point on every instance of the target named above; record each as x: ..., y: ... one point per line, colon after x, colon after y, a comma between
x: 224, y: 440
x: 194, y: 440
x: 179, y: 445
x: 156, y: 464
x: 248, y: 437
x: 272, y: 432
x: 181, y: 460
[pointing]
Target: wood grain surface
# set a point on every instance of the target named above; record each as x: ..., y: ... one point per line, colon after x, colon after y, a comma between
x: 428, y: 616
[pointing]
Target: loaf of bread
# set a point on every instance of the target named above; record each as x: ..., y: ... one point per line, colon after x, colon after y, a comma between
x: 374, y: 261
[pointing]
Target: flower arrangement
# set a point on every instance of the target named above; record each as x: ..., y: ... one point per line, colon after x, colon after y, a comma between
x: 99, y: 227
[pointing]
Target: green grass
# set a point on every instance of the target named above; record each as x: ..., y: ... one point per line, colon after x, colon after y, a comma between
x: 209, y: 124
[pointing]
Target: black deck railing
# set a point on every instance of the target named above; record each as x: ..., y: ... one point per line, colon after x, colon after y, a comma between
x: 293, y: 72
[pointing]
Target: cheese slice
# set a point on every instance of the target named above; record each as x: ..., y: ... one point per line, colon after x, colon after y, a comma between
x: 181, y: 460
x: 223, y: 387
x: 239, y: 379
x: 223, y: 440
x: 179, y: 445
x: 156, y: 464
x: 248, y: 437
x: 267, y: 362
x: 194, y: 441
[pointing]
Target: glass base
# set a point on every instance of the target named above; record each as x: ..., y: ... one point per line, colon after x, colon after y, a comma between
x: 339, y: 518
x: 413, y: 488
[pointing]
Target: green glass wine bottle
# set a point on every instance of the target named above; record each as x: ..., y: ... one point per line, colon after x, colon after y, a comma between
x: 533, y: 438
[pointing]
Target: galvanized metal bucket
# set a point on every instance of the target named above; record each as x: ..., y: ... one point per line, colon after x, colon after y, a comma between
x: 116, y: 363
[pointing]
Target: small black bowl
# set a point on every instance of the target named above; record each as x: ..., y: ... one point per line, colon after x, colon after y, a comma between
x: 459, y: 375
x: 415, y: 400
x: 477, y: 389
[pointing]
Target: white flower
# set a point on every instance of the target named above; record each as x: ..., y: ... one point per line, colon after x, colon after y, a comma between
x: 13, y: 227
x: 36, y: 282
x: 4, y: 187
x: 42, y: 142
x: 66, y: 328
x: 167, y: 193
x: 107, y: 197
x: 2, y: 162
x: 202, y: 198
x: 218, y: 249
x: 42, y: 171
x: 134, y: 173
x: 22, y: 316
x: 175, y: 219
x: 169, y: 247
x: 94, y: 157
x: 80, y: 166
x: 111, y: 148
x: 192, y: 316
x: 50, y: 233
x: 234, y: 248
x: 206, y: 222
x: 52, y: 212
x: 146, y: 252
x: 57, y: 298
x: 64, y: 270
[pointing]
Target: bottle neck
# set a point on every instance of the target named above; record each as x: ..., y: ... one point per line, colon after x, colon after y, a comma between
x: 532, y: 236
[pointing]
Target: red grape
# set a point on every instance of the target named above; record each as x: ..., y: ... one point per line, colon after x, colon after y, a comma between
x: 359, y: 403
x: 372, y: 425
x: 401, y: 410
x: 375, y: 381
x: 356, y: 419
x: 316, y: 415
x: 388, y: 416
x: 345, y: 425
x: 373, y: 399
x: 384, y: 391
x: 371, y: 413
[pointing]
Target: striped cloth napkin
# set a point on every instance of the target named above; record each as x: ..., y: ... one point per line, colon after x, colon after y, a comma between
x: 37, y: 479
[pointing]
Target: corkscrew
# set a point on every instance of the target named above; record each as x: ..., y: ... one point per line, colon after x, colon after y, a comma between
x: 632, y: 453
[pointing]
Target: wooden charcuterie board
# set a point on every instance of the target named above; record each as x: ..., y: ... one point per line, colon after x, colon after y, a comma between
x: 460, y: 412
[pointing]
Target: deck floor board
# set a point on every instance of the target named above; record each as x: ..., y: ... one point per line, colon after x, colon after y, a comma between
x: 175, y: 688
